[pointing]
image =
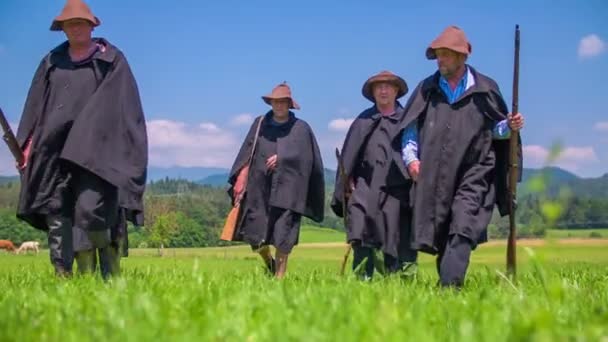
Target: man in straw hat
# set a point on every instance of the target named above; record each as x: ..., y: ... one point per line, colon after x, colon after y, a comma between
x: 378, y: 211
x: 83, y: 133
x: 460, y: 170
x: 283, y: 180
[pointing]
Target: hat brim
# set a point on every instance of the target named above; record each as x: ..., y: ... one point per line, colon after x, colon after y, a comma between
x: 293, y: 105
x: 368, y: 86
x: 430, y: 51
x: 56, y: 25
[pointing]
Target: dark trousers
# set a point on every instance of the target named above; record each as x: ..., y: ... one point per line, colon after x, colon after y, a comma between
x: 86, y: 218
x: 60, y: 242
x: 95, y: 211
x: 453, y: 260
x: 61, y: 248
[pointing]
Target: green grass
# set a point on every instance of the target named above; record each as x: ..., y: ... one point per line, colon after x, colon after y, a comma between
x: 577, y: 233
x: 223, y: 294
x: 310, y: 234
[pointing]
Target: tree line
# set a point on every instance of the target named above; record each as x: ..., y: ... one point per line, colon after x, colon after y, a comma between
x: 179, y: 213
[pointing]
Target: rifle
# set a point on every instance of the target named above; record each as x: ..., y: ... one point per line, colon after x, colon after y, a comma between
x: 10, y: 139
x: 513, y: 167
x: 345, y: 189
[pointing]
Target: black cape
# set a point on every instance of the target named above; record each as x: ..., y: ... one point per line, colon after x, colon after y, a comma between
x: 352, y: 148
x: 108, y: 137
x: 463, y: 170
x: 378, y: 209
x: 298, y: 182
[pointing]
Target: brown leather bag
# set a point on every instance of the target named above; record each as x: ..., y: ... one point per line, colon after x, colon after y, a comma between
x: 233, y: 218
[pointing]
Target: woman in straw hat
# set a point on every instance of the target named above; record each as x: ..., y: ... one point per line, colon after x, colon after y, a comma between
x: 277, y: 177
x: 83, y: 133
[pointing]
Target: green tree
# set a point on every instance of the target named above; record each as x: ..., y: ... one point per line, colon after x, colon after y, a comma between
x: 163, y: 229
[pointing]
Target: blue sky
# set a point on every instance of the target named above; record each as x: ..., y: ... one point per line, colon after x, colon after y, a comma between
x: 202, y: 66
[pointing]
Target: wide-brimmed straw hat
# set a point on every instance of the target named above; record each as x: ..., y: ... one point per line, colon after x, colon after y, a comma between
x: 282, y: 91
x: 384, y: 76
x: 74, y: 9
x: 452, y: 38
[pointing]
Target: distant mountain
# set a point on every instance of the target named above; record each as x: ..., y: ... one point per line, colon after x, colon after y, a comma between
x: 8, y: 179
x: 187, y: 173
x: 554, y: 174
x: 330, y: 177
x: 222, y: 179
x: 219, y: 180
x: 554, y: 179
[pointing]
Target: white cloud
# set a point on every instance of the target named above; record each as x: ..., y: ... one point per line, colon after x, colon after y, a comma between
x: 173, y: 143
x: 591, y: 46
x: 601, y: 126
x: 569, y: 158
x: 209, y: 127
x: 340, y: 125
x: 242, y: 120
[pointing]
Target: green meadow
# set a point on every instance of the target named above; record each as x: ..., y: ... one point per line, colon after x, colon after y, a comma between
x: 223, y: 294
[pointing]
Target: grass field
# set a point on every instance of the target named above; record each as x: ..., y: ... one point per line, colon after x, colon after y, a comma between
x: 222, y: 294
x: 310, y: 234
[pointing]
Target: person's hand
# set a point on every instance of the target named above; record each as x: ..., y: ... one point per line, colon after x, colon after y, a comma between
x: 271, y: 163
x: 240, y: 184
x: 516, y: 122
x: 414, y: 169
x: 26, y: 155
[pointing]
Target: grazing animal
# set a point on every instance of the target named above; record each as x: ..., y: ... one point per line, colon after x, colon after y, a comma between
x: 8, y: 245
x: 29, y: 246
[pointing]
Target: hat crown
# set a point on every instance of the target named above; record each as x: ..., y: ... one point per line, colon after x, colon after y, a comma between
x: 74, y: 9
x: 281, y: 91
x: 384, y: 76
x: 452, y: 38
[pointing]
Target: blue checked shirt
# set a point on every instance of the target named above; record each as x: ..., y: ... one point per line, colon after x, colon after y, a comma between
x: 409, y: 141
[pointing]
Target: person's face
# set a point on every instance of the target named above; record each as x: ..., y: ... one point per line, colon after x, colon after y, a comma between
x: 385, y: 93
x: 78, y: 31
x: 280, y: 107
x: 449, y: 62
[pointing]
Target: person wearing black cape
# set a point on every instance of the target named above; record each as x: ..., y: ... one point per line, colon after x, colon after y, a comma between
x: 83, y: 133
x: 283, y: 181
x: 456, y: 149
x: 378, y: 208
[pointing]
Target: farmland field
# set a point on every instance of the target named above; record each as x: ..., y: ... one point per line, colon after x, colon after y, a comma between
x: 223, y: 294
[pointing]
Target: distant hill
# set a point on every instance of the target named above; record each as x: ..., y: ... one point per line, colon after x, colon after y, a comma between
x: 215, y: 180
x: 555, y: 174
x: 222, y: 179
x: 8, y: 179
x: 554, y: 179
x: 187, y: 173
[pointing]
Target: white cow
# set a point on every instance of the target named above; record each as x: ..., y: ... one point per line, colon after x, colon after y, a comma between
x: 29, y: 246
